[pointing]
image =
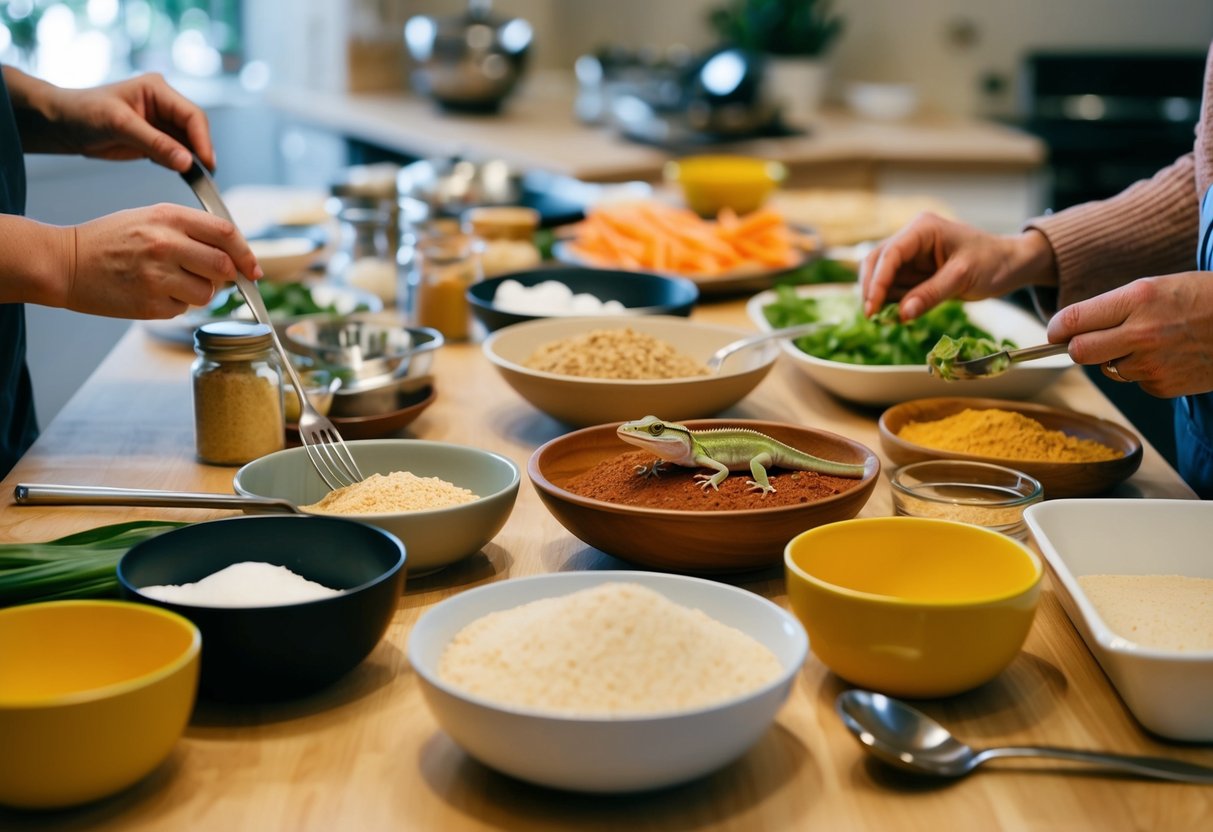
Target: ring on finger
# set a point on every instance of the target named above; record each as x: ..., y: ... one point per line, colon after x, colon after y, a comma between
x: 1112, y: 371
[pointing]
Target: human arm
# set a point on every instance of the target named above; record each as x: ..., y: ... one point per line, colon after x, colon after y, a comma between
x: 1157, y: 330
x: 141, y: 263
x: 933, y: 259
x: 132, y: 119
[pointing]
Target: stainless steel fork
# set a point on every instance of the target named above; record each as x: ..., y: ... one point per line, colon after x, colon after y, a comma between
x: 326, y: 449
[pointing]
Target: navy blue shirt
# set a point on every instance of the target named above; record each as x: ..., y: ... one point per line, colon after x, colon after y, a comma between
x: 18, y: 427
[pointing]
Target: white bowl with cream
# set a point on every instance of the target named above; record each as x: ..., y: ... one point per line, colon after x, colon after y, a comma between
x: 607, y: 753
x: 1165, y: 684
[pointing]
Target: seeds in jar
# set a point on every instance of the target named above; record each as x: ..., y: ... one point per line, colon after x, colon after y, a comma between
x: 1166, y: 612
x: 397, y: 491
x: 612, y: 650
x: 237, y: 414
x: 620, y: 353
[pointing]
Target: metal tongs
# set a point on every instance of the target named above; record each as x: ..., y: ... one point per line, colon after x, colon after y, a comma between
x: 997, y: 363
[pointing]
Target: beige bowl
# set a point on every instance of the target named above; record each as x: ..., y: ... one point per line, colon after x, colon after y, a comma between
x: 693, y: 541
x: 589, y: 401
x: 433, y: 538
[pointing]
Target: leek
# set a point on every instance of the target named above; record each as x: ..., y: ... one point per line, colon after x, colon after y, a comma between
x: 81, y: 565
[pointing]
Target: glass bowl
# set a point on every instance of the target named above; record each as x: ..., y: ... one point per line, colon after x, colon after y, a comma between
x: 978, y: 493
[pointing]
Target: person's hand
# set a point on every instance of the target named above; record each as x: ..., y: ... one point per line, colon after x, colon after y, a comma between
x: 153, y: 262
x: 933, y: 259
x: 132, y: 119
x: 1155, y: 331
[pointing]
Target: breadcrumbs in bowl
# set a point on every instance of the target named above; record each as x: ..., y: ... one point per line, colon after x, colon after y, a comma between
x: 445, y: 501
x: 516, y: 691
x: 591, y: 370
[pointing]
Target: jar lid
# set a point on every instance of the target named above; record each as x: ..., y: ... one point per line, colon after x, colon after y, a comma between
x: 232, y: 338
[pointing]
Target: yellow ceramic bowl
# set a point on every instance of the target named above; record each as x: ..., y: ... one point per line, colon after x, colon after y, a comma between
x: 710, y: 183
x: 93, y: 696
x: 910, y: 606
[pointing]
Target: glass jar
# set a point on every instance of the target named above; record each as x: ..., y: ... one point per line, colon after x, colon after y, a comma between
x: 445, y: 266
x: 508, y: 232
x: 238, y: 413
x: 364, y: 257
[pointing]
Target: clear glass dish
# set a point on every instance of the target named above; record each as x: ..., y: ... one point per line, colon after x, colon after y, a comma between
x: 979, y: 493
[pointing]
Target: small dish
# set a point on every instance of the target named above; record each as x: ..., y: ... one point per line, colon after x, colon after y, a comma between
x: 1166, y: 690
x: 435, y: 537
x: 638, y: 292
x: 991, y: 496
x: 93, y: 697
x: 911, y: 606
x: 409, y: 405
x: 872, y: 384
x: 366, y: 351
x: 1059, y: 479
x: 709, y: 541
x: 284, y: 258
x: 710, y: 183
x: 617, y: 753
x: 581, y: 401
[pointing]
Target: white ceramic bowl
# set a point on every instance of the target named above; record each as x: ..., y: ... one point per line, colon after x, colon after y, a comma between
x: 284, y: 258
x: 433, y: 538
x: 607, y: 754
x: 1167, y: 691
x: 582, y: 401
x: 882, y: 102
x: 890, y: 384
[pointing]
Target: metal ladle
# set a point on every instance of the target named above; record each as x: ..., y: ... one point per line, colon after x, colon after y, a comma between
x: 905, y: 737
x: 718, y: 358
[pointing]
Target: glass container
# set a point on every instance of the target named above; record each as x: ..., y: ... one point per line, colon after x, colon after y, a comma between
x: 238, y: 397
x: 978, y: 493
x: 445, y: 266
x: 364, y: 257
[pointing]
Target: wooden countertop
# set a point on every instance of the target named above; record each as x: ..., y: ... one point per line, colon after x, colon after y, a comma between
x: 366, y: 754
x: 537, y: 129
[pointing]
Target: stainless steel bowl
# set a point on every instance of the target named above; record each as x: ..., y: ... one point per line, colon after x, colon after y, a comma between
x: 469, y: 62
x: 448, y: 187
x: 366, y: 352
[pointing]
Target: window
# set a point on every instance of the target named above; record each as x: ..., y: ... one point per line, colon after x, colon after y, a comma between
x: 80, y: 43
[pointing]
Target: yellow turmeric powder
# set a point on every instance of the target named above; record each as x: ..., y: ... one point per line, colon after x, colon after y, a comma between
x: 1005, y: 435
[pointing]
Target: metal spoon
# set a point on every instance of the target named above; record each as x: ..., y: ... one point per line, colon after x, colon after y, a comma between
x: 909, y: 739
x: 41, y: 494
x: 997, y: 363
x: 718, y: 358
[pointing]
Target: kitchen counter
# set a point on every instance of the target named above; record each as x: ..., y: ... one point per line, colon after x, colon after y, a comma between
x: 537, y: 129
x: 366, y: 754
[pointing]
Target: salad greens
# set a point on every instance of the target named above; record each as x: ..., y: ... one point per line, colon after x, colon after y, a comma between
x: 852, y: 338
x: 285, y: 300
x: 949, y: 350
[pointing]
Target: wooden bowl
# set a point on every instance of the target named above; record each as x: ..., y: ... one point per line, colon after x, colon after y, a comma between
x: 1059, y: 479
x: 693, y: 541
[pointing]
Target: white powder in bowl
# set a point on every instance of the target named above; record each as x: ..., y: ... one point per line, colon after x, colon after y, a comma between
x: 245, y: 584
x: 1166, y: 612
x: 616, y: 649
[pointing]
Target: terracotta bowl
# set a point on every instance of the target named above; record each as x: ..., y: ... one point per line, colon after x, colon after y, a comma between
x: 1059, y: 479
x: 693, y: 541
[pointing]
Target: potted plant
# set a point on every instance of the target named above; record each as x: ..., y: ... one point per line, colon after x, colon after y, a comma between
x: 794, y: 35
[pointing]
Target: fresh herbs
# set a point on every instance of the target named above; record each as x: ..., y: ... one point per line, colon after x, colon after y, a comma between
x: 81, y: 565
x: 853, y: 338
x: 949, y: 350
x: 282, y: 300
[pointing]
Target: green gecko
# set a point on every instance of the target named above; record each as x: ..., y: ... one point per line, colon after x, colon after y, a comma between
x: 723, y: 450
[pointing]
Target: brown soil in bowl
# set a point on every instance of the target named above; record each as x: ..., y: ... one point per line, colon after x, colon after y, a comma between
x: 615, y: 480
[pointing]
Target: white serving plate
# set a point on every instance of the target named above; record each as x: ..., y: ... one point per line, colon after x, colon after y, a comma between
x: 607, y: 754
x: 1169, y: 692
x: 892, y: 384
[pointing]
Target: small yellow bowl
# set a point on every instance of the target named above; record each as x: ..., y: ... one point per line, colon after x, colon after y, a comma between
x: 93, y: 696
x: 910, y: 606
x: 710, y: 183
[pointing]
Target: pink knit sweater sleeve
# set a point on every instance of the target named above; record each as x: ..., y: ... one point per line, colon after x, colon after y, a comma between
x: 1148, y: 229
